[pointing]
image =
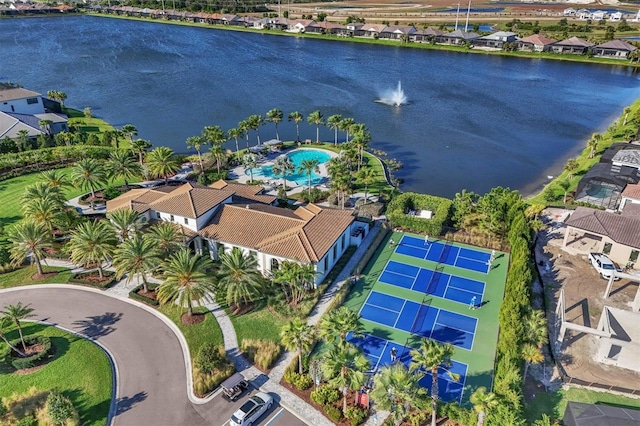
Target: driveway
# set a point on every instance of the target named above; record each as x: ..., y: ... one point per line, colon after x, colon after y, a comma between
x: 152, y: 382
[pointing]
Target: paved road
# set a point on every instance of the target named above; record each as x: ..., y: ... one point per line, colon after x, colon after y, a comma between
x: 152, y: 385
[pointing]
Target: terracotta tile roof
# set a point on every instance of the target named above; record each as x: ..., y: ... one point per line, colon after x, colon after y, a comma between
x: 631, y: 210
x: 251, y: 192
x: 125, y: 199
x: 632, y: 191
x: 575, y: 42
x: 538, y: 40
x: 305, y: 234
x: 190, y: 200
x: 621, y: 229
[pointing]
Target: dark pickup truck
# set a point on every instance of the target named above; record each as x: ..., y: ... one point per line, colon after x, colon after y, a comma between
x: 234, y: 387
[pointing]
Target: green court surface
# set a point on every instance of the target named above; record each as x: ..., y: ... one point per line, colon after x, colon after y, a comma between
x: 391, y: 273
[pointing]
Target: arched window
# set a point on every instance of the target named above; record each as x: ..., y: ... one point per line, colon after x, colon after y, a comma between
x: 275, y: 265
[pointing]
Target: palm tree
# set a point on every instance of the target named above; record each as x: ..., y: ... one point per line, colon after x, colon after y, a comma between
x: 196, y: 143
x: 592, y: 144
x: 91, y: 244
x: 342, y: 185
x: 55, y: 178
x: 571, y: 166
x: 244, y: 127
x: 255, y: 121
x: 89, y: 174
x: 235, y: 133
x: 121, y: 165
x: 214, y: 135
x: 431, y: 357
x: 531, y: 354
x: 23, y: 140
x: 275, y: 116
x: 345, y: 125
x: 483, y: 402
x: 16, y: 313
x: 167, y: 237
x: 338, y: 323
x: 136, y: 256
x: 45, y: 125
x: 43, y: 211
x: 307, y: 167
x: 43, y: 190
x: 333, y: 122
x: 130, y: 131
x: 140, y: 147
x: 366, y: 176
x: 218, y: 153
x: 296, y: 117
x: 344, y: 368
x: 361, y: 137
x: 29, y: 238
x: 125, y: 222
x: 5, y: 322
x: 396, y: 389
x: 239, y: 277
x: 186, y: 280
x: 316, y: 118
x: 535, y: 328
x: 162, y: 162
x: 297, y: 336
x: 283, y: 165
x: 250, y: 161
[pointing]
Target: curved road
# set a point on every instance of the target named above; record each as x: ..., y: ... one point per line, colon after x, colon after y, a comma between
x: 151, y: 367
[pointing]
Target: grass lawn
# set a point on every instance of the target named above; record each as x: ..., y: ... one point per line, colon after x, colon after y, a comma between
x: 22, y: 277
x: 260, y: 323
x: 554, y: 403
x: 199, y: 334
x: 80, y: 370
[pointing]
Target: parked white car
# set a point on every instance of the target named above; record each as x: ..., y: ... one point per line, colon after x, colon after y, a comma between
x: 603, y: 265
x: 251, y: 410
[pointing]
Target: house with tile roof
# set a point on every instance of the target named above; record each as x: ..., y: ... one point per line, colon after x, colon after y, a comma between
x: 630, y: 195
x: 615, y: 49
x: 397, y: 32
x: 425, y: 36
x: 456, y: 38
x: 615, y: 234
x: 228, y: 215
x: 572, y: 46
x: 495, y: 40
x: 535, y: 43
x: 370, y: 30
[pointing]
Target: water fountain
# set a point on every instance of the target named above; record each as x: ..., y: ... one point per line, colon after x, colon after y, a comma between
x: 394, y: 97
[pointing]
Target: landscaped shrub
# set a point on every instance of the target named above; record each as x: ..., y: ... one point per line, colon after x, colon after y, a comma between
x: 399, y: 209
x: 211, y: 367
x: 300, y: 381
x: 59, y: 408
x: 133, y: 294
x: 3, y: 408
x: 418, y: 418
x: 111, y: 192
x: 92, y: 279
x: 334, y: 413
x: 356, y: 415
x: 31, y: 361
x: 210, y: 357
x: 204, y: 383
x: 325, y: 395
x: 27, y: 421
x: 263, y: 353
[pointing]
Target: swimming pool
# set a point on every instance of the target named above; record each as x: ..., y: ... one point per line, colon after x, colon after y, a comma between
x: 297, y: 156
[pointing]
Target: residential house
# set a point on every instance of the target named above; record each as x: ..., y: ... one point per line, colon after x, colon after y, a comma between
x: 615, y: 17
x: 370, y: 30
x: 351, y: 29
x: 630, y: 195
x: 300, y: 25
x: 20, y: 100
x: 616, y: 49
x: 326, y: 27
x: 583, y: 14
x: 569, y: 12
x: 573, y: 46
x: 456, y: 38
x: 496, y: 40
x: 535, y: 43
x: 598, y: 15
x: 426, y: 36
x: 397, y: 32
x: 583, y: 414
x: 228, y: 215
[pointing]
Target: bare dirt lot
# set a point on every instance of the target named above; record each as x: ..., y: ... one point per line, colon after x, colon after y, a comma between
x: 569, y: 269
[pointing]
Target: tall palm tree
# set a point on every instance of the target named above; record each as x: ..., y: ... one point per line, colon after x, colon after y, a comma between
x: 29, y: 238
x: 239, y: 278
x: 592, y: 144
x: 122, y: 165
x: 130, y: 131
x: 431, y: 357
x: 219, y: 154
x: 125, y: 222
x: 16, y: 313
x: 55, y: 178
x: 365, y: 176
x: 255, y: 121
x: 186, y: 280
x: 43, y: 190
x: 571, y: 166
x: 531, y: 354
x: 316, y: 118
x: 333, y: 122
x: 344, y: 368
x: 88, y: 174
x: 162, y: 162
x: 535, y: 328
x: 396, y: 389
x: 196, y: 143
x: 244, y: 126
x: 345, y: 125
x: 297, y: 336
x: 214, y: 135
x: 91, y: 244
x: 250, y: 161
x: 296, y: 117
x: 44, y: 211
x: 361, y: 137
x: 307, y: 167
x: 338, y: 323
x: 283, y: 165
x: 45, y: 125
x: 483, y: 402
x: 5, y: 322
x: 140, y: 147
x: 235, y: 133
x: 23, y: 140
x: 342, y: 185
x: 136, y: 256
x: 275, y: 116
x: 168, y: 238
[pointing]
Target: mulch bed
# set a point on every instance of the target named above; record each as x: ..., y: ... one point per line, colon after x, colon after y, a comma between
x: 37, y: 277
x: 94, y: 278
x: 29, y: 370
x: 196, y: 318
x: 148, y: 294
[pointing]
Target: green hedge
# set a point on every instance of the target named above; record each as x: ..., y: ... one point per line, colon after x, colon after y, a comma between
x: 78, y: 279
x: 399, y: 208
x: 135, y: 296
x: 20, y: 363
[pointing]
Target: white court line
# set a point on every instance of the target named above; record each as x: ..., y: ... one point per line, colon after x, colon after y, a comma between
x: 400, y: 314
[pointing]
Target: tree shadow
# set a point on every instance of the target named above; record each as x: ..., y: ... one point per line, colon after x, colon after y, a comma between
x: 126, y: 403
x: 98, y: 326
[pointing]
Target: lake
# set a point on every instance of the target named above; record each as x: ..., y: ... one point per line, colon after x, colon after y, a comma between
x: 473, y: 121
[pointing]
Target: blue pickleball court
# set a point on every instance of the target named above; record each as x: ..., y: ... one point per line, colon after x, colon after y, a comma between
x: 436, y: 251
